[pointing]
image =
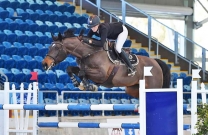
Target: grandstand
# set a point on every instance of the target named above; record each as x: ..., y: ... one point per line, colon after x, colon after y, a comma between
x: 25, y: 27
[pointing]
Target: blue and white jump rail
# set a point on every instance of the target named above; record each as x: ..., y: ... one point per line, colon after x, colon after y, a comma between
x: 71, y: 107
x: 161, y: 111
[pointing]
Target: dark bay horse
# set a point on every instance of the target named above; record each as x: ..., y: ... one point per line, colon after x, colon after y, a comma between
x: 95, y: 64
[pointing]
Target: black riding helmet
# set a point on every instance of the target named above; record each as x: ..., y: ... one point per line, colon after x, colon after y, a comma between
x: 93, y: 21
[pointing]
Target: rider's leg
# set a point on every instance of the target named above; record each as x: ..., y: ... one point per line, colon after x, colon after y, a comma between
x: 119, y: 44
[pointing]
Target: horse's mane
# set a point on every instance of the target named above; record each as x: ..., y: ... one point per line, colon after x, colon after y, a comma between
x: 69, y: 33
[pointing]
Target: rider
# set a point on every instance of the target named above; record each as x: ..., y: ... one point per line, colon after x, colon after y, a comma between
x: 115, y: 30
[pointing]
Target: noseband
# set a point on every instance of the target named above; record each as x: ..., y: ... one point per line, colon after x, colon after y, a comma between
x: 60, y: 52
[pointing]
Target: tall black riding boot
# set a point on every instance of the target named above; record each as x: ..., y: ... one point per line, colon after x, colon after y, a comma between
x: 126, y: 60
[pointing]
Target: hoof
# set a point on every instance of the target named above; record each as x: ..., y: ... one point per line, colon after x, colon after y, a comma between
x: 81, y: 86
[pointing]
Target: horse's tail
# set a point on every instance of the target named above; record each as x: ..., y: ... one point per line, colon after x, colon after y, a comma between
x: 166, y: 73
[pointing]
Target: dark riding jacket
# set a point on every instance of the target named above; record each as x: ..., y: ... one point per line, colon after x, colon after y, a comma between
x: 107, y: 31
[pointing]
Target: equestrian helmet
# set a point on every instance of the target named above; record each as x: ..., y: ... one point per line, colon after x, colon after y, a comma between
x: 93, y: 21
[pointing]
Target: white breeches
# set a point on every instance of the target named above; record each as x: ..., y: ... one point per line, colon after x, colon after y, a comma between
x: 121, y: 39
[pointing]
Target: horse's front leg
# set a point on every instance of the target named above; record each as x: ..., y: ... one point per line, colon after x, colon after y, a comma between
x: 71, y: 71
x: 86, y: 85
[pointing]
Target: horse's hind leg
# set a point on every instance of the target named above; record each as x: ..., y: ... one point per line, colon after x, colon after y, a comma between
x: 133, y: 90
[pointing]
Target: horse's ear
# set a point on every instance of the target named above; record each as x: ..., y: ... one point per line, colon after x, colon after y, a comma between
x: 59, y: 36
x: 82, y: 32
x: 53, y: 37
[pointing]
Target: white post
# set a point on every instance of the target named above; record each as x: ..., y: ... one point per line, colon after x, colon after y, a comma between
x: 6, y: 112
x: 180, y: 106
x: 142, y: 107
x: 193, y: 107
x: 35, y: 101
x: 26, y: 122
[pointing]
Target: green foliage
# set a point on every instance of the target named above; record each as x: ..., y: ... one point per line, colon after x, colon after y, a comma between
x: 202, y: 121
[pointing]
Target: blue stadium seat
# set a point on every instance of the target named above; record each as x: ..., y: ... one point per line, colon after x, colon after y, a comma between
x: 50, y: 40
x: 3, y: 36
x: 51, y: 5
x: 32, y: 50
x: 21, y: 13
x: 115, y: 101
x: 24, y: 5
x: 182, y: 75
x: 42, y: 16
x: 7, y: 73
x: 39, y: 59
x: 33, y: 15
x: 61, y: 87
x: 1, y: 52
x: 21, y: 50
x: 33, y: 5
x: 127, y: 43
x: 62, y: 7
x: 32, y: 38
x: 31, y: 63
x: 9, y: 49
x: 32, y: 26
x: 4, y: 4
x: 61, y: 17
x: 17, y: 86
x: 174, y: 76
x: 62, y: 76
x: 78, y: 28
x: 82, y: 19
x: 23, y: 26
x: 125, y: 101
x: 11, y: 24
x: 4, y: 25
x: 42, y: 27
x: 27, y: 73
x: 51, y: 27
x: 13, y: 4
x: 11, y: 37
x: 11, y: 11
x: 20, y: 63
x: 61, y: 27
x: 18, y: 75
x: 42, y: 5
x: 94, y: 101
x: 69, y: 25
x: 63, y: 65
x: 71, y: 87
x: 43, y: 39
x: 83, y: 101
x: 71, y: 9
x: 42, y: 51
x: 52, y: 78
x: 21, y: 37
x: 8, y: 62
x: 134, y: 101
x: 42, y: 76
x: 52, y: 17
x: 4, y: 14
x: 50, y: 86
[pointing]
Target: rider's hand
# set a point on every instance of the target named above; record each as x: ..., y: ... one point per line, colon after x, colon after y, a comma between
x: 90, y: 41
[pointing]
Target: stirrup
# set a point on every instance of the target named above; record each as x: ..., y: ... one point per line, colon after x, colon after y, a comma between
x: 131, y: 72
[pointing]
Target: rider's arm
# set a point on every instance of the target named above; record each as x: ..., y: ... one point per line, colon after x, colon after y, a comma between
x: 103, y: 35
x: 90, y: 34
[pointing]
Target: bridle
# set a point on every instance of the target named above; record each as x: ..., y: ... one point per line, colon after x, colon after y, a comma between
x: 61, y: 51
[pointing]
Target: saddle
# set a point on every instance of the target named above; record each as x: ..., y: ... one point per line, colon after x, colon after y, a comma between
x: 114, y: 56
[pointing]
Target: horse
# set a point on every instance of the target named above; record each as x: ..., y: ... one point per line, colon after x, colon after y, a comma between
x: 94, y: 64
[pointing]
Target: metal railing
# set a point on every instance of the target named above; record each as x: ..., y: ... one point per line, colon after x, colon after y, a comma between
x: 177, y: 46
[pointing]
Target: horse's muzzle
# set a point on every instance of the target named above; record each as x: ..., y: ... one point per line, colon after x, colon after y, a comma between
x: 45, y: 66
